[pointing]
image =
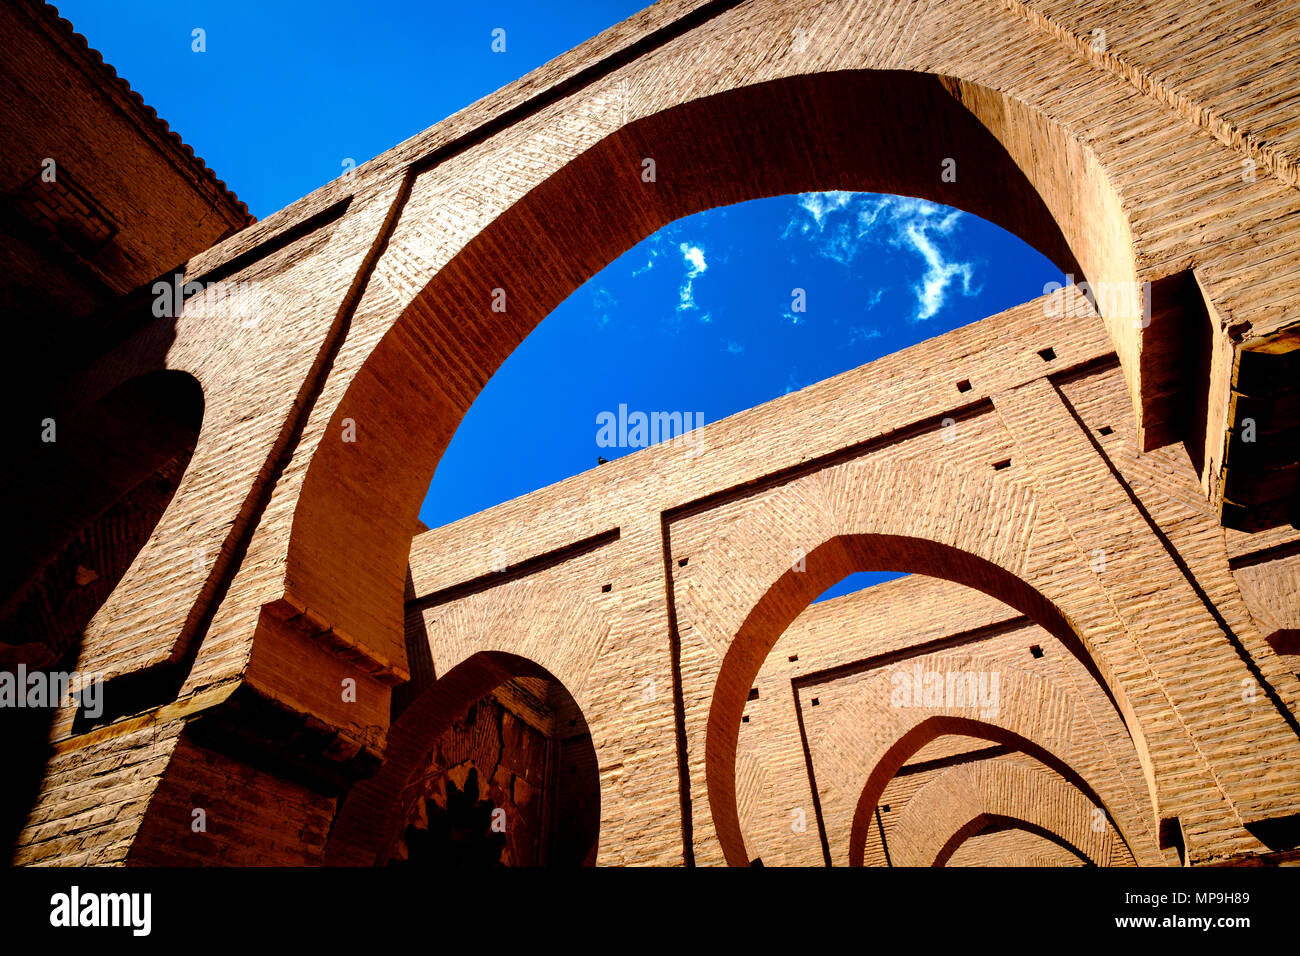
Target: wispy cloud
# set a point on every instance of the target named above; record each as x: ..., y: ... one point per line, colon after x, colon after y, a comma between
x: 922, y: 223
x: 859, y: 334
x: 653, y: 251
x: 820, y: 205
x: 839, y: 224
x: 836, y: 236
x: 696, y: 266
x: 602, y: 302
x: 735, y: 348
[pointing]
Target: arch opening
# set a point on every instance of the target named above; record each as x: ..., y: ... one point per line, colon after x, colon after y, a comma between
x: 831, y: 561
x: 718, y: 313
x: 491, y: 765
x: 1000, y: 782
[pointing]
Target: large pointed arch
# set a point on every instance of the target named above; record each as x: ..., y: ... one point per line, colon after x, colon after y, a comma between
x: 880, y: 131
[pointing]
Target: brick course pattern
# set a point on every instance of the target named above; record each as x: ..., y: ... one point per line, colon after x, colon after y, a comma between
x: 1075, y: 484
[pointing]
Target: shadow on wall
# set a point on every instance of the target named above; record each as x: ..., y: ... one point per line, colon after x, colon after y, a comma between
x: 83, y: 500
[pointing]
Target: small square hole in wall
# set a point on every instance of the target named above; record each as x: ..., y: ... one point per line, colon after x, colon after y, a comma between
x: 682, y: 563
x: 816, y: 701
x: 793, y: 658
x: 1004, y: 463
x: 1104, y: 430
x: 963, y: 385
x: 885, y: 808
x: 1036, y: 651
x: 606, y: 588
x: 1047, y: 354
x: 744, y: 720
x: 753, y: 693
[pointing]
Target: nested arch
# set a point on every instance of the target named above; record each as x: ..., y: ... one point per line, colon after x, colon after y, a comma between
x: 864, y: 130
x: 794, y: 590
x: 962, y: 800
x: 987, y: 823
x: 878, y: 514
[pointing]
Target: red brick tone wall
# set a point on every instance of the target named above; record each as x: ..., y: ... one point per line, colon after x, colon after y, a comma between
x: 886, y: 630
x: 1083, y: 484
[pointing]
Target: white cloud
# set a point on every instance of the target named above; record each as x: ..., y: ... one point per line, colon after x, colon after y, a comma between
x: 735, y: 348
x: 839, y: 223
x: 696, y: 266
x: 932, y: 290
x: 821, y: 205
x: 694, y: 257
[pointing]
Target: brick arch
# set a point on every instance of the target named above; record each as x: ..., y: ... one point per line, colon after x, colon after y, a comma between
x: 982, y: 822
x: 938, y: 520
x: 432, y: 361
x: 490, y: 196
x: 857, y: 759
x: 418, y: 339
x: 962, y: 800
x: 483, y: 641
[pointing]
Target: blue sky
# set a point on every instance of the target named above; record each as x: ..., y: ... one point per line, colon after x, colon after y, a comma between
x: 699, y: 318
